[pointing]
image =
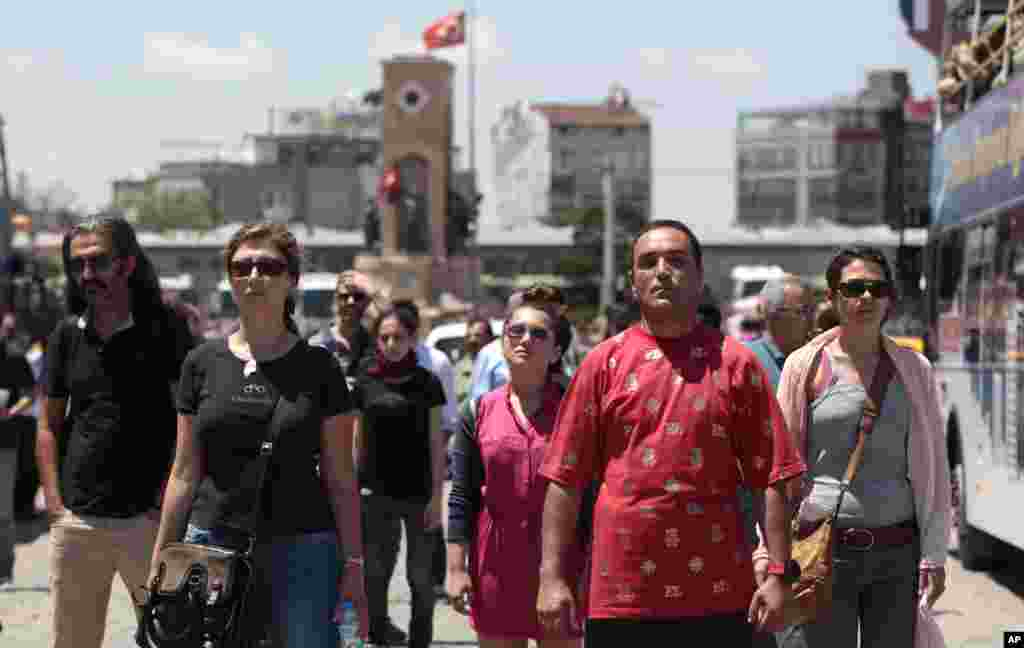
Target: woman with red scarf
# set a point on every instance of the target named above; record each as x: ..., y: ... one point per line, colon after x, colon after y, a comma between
x: 402, y: 467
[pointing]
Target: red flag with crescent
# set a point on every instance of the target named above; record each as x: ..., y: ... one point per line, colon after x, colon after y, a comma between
x: 388, y: 187
x: 446, y: 32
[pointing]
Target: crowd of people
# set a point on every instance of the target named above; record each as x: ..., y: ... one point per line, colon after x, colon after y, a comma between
x: 636, y: 489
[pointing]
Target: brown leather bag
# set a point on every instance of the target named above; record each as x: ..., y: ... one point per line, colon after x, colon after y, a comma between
x: 199, y: 594
x: 812, y: 591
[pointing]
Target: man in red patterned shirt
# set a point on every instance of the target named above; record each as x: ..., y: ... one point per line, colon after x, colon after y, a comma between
x: 670, y: 417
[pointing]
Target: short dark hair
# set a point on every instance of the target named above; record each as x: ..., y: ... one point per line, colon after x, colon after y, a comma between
x: 848, y: 255
x: 679, y: 226
x: 410, y: 306
x: 404, y: 316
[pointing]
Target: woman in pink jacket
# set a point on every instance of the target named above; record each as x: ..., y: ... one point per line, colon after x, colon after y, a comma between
x: 893, y: 525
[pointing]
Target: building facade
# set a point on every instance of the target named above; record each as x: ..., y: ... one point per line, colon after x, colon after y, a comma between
x: 549, y: 157
x: 857, y: 160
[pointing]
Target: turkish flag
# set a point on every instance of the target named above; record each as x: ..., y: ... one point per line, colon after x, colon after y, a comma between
x: 446, y: 32
x: 925, y: 24
x: 388, y: 188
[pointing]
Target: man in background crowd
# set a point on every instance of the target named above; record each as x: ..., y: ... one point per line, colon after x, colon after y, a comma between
x: 478, y: 335
x: 17, y: 387
x: 347, y: 338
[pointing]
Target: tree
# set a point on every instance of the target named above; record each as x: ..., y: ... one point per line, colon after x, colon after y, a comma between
x: 164, y: 210
x: 588, y: 234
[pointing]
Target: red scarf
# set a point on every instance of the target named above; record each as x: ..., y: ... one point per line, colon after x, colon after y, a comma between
x: 384, y: 368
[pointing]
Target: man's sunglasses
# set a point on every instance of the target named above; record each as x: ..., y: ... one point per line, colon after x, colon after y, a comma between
x: 267, y: 266
x: 99, y: 263
x: 857, y: 287
x: 355, y: 297
x: 520, y: 329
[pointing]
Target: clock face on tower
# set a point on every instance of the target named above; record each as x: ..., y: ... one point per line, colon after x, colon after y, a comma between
x: 412, y: 97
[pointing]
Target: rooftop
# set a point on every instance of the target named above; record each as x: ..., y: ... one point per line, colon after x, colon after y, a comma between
x: 600, y: 115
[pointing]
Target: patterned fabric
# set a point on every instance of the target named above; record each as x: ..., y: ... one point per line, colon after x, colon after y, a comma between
x: 671, y: 427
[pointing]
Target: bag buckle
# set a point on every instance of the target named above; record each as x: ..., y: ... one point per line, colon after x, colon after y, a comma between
x: 849, y: 534
x: 266, y: 448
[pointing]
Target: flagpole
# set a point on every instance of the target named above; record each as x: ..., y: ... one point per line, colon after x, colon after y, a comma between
x: 471, y: 37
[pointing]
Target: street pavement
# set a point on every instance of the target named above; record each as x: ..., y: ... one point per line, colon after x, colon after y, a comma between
x: 975, y: 611
x: 25, y: 605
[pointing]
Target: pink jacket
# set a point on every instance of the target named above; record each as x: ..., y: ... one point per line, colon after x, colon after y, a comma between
x: 926, y: 449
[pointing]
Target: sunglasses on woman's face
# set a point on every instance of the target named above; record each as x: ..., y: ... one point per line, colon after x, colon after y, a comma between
x: 519, y: 330
x: 267, y: 267
x: 877, y: 288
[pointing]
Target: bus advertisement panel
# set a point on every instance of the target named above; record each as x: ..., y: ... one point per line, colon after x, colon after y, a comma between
x: 976, y: 293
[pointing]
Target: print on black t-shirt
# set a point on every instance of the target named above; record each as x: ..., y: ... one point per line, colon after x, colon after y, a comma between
x: 397, y: 436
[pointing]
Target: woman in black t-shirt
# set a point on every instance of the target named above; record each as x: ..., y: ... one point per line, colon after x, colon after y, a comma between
x: 231, y: 392
x: 401, y: 471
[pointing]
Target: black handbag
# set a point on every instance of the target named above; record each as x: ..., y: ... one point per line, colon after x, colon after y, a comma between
x: 199, y: 594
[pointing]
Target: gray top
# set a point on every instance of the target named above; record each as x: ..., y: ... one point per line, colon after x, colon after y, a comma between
x: 880, y: 494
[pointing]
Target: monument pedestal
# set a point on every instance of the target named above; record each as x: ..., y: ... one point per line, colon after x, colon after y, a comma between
x: 402, y: 276
x: 442, y: 289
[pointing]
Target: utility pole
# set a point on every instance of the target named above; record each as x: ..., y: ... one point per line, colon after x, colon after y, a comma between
x: 608, y: 242
x: 6, y: 204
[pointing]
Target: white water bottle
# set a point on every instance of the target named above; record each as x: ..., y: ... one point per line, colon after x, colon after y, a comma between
x: 348, y: 627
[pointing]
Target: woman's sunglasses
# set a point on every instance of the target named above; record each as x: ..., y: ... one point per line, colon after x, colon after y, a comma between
x: 877, y: 288
x: 519, y: 330
x: 267, y: 267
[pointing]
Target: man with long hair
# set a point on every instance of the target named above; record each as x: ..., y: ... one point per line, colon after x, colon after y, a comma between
x: 107, y: 425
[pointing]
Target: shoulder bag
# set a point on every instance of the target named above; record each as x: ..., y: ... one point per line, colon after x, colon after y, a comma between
x: 198, y: 596
x: 812, y: 590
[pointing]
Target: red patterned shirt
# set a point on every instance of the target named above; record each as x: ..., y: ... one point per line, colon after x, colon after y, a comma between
x: 671, y: 427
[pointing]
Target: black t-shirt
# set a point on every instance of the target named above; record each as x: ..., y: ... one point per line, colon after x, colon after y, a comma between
x: 397, y: 435
x: 232, y: 413
x: 16, y: 380
x: 117, y: 440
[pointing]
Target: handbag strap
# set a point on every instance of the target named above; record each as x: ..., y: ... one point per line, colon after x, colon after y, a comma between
x: 267, y: 447
x: 869, y: 414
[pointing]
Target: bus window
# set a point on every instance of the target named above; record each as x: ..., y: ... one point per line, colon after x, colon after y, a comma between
x: 228, y: 307
x: 318, y: 303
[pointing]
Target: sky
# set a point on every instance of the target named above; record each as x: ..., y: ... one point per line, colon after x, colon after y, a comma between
x: 91, y: 92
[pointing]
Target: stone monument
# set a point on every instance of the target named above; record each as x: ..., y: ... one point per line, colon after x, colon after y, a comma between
x: 416, y: 137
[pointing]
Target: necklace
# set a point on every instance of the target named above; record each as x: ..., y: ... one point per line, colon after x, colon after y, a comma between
x: 244, y: 353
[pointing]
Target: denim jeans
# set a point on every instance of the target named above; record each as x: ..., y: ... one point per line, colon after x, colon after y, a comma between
x: 874, y: 593
x: 383, y: 517
x: 300, y: 575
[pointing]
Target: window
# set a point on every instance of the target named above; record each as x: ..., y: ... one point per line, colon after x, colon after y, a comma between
x: 566, y: 159
x: 820, y: 155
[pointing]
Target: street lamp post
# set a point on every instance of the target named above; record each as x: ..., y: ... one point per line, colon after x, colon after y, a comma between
x: 608, y: 242
x: 5, y: 199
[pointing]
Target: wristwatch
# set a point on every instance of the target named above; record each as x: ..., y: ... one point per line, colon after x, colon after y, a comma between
x: 788, y: 572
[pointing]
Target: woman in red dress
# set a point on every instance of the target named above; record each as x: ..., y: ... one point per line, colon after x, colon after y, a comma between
x: 497, y: 497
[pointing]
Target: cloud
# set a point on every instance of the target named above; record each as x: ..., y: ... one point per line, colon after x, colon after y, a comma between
x: 734, y: 63
x: 655, y: 57
x: 19, y: 63
x: 194, y: 56
x: 395, y: 39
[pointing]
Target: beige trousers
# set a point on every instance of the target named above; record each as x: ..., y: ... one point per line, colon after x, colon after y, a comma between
x: 85, y: 553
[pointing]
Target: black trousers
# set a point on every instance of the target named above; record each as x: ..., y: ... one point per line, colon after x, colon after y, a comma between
x: 383, y: 519
x: 725, y: 630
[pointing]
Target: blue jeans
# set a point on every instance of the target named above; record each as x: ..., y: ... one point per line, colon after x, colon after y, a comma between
x: 300, y: 574
x: 874, y: 594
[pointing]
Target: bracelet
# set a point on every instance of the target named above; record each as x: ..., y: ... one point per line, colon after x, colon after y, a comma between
x: 355, y: 560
